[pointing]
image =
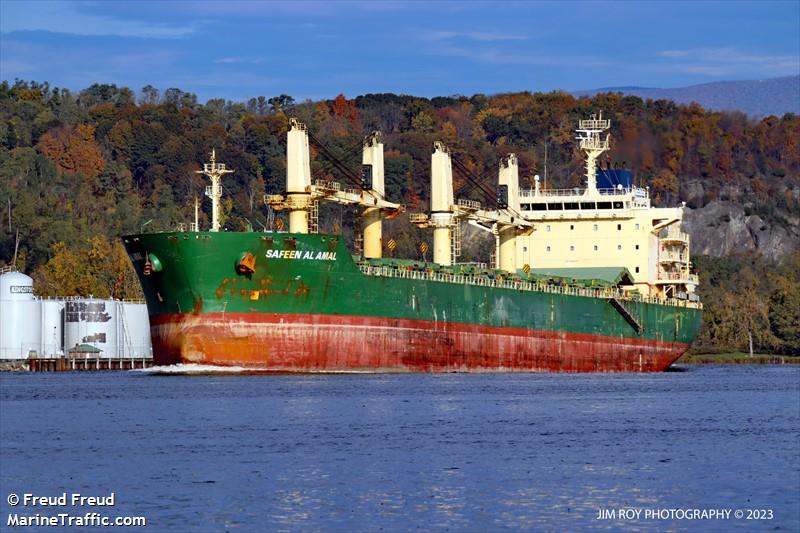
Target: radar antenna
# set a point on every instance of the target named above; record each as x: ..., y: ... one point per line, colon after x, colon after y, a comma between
x: 589, y: 131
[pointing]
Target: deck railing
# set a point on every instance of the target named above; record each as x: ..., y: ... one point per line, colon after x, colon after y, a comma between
x: 638, y: 192
x: 521, y: 285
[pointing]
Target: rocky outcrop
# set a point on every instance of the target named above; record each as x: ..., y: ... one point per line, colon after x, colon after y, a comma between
x: 722, y: 228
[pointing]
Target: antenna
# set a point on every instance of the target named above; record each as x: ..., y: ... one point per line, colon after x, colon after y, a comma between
x: 590, y: 142
x: 545, y: 163
x: 214, y: 171
x: 16, y: 248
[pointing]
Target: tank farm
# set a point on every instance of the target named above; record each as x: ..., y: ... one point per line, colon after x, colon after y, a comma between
x: 581, y: 280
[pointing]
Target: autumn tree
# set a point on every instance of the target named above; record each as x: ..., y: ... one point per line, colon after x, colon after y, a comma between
x: 73, y: 150
x: 342, y: 108
x: 99, y: 268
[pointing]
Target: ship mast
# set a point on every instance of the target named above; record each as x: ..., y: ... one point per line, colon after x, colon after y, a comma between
x: 445, y: 214
x: 373, y: 180
x: 302, y: 197
x: 214, y: 171
x: 442, y: 211
x: 589, y: 131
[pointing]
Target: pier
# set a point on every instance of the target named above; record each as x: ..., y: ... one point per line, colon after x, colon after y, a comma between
x: 88, y: 364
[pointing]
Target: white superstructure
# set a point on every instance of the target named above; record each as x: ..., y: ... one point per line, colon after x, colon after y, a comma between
x: 601, y: 227
x: 587, y: 227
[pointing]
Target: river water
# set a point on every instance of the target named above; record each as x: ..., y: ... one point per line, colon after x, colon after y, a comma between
x: 459, y: 452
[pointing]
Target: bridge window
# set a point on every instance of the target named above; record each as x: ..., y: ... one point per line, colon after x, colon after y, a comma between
x: 587, y: 205
x: 538, y: 207
x: 571, y: 205
x: 603, y: 205
x: 617, y: 205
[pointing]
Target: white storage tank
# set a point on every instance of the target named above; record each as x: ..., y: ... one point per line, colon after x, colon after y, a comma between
x: 94, y: 322
x: 52, y: 328
x: 135, y: 340
x: 20, y: 317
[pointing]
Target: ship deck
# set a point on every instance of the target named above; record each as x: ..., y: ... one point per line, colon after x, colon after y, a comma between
x: 469, y: 275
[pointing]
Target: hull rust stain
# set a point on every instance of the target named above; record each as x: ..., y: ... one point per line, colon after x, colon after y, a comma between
x: 336, y: 343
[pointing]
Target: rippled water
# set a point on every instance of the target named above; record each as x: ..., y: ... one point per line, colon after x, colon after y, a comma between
x: 408, y: 452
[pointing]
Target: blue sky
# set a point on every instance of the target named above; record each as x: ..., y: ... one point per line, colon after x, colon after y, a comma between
x: 240, y: 49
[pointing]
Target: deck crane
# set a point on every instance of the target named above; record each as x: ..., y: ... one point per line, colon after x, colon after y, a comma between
x: 445, y: 215
x: 302, y: 197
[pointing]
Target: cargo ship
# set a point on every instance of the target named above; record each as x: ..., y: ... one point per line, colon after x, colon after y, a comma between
x: 581, y: 280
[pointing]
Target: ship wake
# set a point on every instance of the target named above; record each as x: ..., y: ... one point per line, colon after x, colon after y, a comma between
x: 196, y: 369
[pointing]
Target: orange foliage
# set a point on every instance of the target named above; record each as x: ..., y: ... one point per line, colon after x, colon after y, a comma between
x: 342, y: 108
x: 449, y: 133
x: 666, y: 182
x: 30, y: 95
x: 73, y: 149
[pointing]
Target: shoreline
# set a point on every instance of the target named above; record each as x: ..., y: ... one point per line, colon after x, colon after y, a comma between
x: 734, y: 358
x: 737, y: 358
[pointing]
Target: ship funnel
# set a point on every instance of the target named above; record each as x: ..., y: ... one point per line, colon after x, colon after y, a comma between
x: 441, y: 203
x: 298, y: 176
x: 372, y: 159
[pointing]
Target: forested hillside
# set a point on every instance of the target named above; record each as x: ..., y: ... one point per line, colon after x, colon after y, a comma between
x: 77, y: 170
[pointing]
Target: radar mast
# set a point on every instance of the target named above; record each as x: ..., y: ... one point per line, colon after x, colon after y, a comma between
x: 589, y: 131
x: 214, y: 171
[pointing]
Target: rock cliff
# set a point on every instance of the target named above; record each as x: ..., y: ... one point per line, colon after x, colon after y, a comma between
x: 721, y: 228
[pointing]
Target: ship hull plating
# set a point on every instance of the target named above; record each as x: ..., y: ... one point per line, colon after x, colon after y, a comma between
x: 300, y: 303
x: 318, y: 343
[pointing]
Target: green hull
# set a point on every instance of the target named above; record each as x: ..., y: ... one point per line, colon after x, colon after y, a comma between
x: 306, y: 305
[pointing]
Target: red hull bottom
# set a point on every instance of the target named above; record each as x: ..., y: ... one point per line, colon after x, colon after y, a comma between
x: 330, y: 343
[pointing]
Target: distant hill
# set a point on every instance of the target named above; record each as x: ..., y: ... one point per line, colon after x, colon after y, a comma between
x: 774, y: 96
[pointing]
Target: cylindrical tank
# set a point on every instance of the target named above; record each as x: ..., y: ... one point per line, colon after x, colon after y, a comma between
x: 52, y: 328
x: 20, y: 317
x: 94, y: 322
x: 135, y: 339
